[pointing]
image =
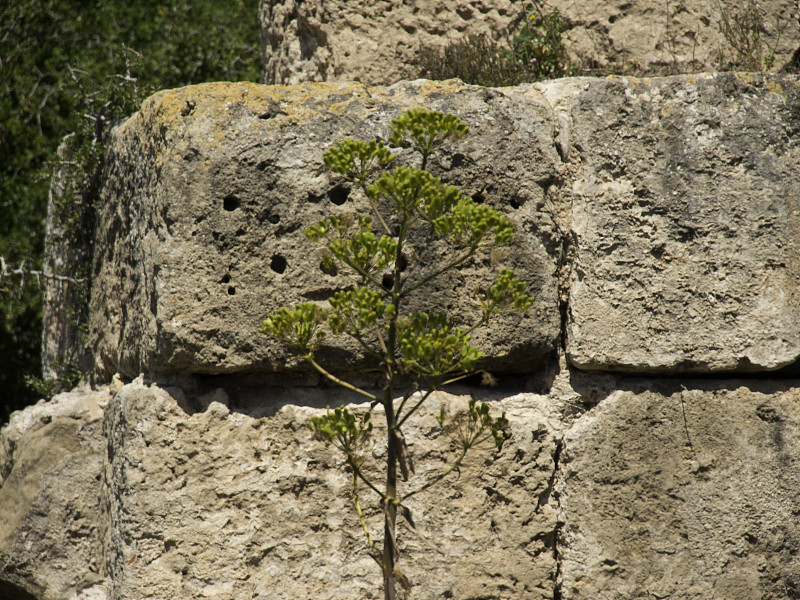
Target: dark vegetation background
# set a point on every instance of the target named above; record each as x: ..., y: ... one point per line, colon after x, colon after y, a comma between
x: 73, y: 67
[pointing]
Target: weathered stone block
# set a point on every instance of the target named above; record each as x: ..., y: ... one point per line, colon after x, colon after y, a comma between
x: 372, y: 42
x: 233, y: 498
x: 686, y: 223
x: 207, y: 193
x: 378, y: 43
x: 52, y: 512
x: 683, y: 491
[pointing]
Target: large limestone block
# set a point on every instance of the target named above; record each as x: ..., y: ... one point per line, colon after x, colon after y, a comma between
x: 372, y: 42
x: 686, y: 222
x: 378, y: 42
x: 231, y: 497
x: 683, y: 491
x: 52, y: 512
x: 208, y: 190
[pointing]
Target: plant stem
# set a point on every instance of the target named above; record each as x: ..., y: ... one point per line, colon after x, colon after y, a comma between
x: 341, y: 382
x: 390, y: 508
x: 439, y: 477
x: 447, y: 267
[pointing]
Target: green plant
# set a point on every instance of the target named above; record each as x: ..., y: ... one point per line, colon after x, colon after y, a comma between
x: 476, y: 60
x: 421, y: 350
x: 538, y: 46
x: 745, y: 32
x: 534, y: 53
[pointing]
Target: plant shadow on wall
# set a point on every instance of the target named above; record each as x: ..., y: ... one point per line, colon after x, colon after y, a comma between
x: 418, y: 352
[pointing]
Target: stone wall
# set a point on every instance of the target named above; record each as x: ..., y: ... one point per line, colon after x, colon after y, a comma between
x: 652, y: 392
x: 378, y: 42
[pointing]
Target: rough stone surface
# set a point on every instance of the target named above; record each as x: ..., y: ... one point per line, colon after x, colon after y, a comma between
x: 660, y: 215
x: 685, y: 490
x: 207, y: 193
x: 52, y: 513
x: 231, y: 497
x: 686, y: 224
x: 664, y: 213
x: 608, y: 488
x: 371, y: 42
x: 377, y: 42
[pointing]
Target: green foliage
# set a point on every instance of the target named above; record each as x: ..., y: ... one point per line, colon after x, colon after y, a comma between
x: 745, y: 31
x: 535, y: 52
x: 75, y: 68
x: 301, y: 327
x: 420, y: 349
x: 538, y: 46
x: 432, y: 346
x: 477, y: 59
x: 347, y: 432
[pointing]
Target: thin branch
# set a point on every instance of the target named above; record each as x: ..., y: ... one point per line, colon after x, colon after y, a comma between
x: 439, y: 477
x: 685, y: 424
x: 413, y: 409
x: 21, y: 271
x: 373, y: 550
x: 341, y: 382
x: 375, y: 209
x: 445, y: 268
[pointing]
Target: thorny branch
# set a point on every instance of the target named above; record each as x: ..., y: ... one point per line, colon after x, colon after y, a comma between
x: 21, y: 271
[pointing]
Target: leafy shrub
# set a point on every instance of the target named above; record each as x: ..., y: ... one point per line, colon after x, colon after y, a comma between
x: 745, y: 33
x: 476, y: 60
x: 534, y: 53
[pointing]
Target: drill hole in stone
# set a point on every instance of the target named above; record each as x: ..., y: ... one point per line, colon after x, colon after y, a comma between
x: 278, y: 263
x: 274, y: 219
x: 388, y: 282
x: 231, y: 290
x: 225, y: 278
x: 230, y: 203
x: 339, y: 194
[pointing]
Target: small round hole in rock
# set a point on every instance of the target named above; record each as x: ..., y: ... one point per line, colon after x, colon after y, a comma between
x: 278, y: 264
x: 274, y: 219
x: 230, y: 203
x: 225, y: 278
x: 339, y: 194
x: 231, y: 291
x: 388, y: 282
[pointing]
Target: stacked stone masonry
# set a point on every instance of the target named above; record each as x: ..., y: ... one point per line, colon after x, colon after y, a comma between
x: 654, y: 416
x: 380, y: 42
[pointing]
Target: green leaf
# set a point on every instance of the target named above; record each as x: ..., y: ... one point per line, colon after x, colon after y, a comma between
x: 426, y: 130
x: 474, y: 225
x: 356, y: 161
x: 431, y: 346
x: 350, y: 241
x: 349, y: 434
x: 300, y: 328
x: 507, y: 293
x: 354, y: 311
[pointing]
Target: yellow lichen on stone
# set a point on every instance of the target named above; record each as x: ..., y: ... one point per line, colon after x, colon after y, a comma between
x: 776, y: 88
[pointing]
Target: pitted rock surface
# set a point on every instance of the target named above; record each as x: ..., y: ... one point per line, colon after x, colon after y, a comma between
x: 378, y: 42
x: 208, y: 192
